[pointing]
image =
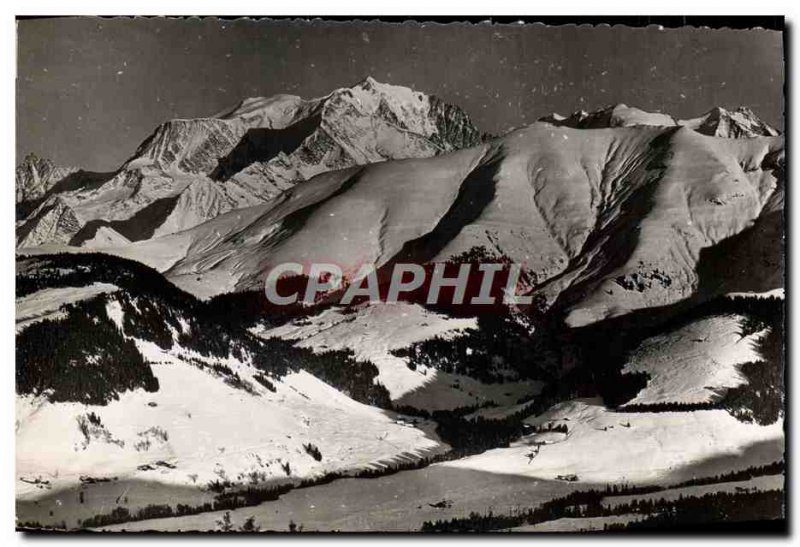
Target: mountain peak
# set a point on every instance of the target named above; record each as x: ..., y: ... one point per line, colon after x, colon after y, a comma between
x: 373, y: 86
x: 190, y: 170
x: 369, y: 81
x: 740, y: 122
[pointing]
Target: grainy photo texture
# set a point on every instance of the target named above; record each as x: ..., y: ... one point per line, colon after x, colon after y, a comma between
x: 371, y: 276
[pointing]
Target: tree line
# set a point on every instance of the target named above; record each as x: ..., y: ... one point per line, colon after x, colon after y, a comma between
x: 85, y: 357
x: 658, y: 512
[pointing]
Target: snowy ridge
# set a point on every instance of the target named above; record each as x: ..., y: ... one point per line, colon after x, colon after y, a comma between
x: 620, y: 115
x: 740, y: 122
x: 52, y: 222
x: 44, y: 304
x: 563, y: 202
x: 191, y: 170
x: 737, y: 123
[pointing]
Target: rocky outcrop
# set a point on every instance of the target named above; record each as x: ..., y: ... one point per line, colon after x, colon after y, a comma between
x: 52, y: 222
x: 35, y: 176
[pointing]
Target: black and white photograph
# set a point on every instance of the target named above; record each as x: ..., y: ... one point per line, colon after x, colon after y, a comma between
x: 400, y: 275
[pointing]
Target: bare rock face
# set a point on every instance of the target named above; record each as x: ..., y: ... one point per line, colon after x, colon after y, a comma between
x: 52, y: 222
x: 187, y: 146
x: 35, y: 176
x: 209, y: 166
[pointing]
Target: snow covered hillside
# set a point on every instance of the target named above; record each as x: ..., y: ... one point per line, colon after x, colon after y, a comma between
x: 176, y: 436
x: 373, y: 331
x: 44, y: 304
x: 130, y: 380
x: 147, y: 353
x: 603, y: 446
x: 694, y: 363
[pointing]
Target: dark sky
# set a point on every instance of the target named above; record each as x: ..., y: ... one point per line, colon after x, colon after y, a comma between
x: 90, y: 90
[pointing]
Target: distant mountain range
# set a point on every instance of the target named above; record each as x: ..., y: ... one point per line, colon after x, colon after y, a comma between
x: 718, y: 122
x: 190, y: 171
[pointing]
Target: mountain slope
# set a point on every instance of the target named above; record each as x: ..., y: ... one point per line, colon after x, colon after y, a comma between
x: 605, y: 221
x: 376, y: 332
x: 35, y: 176
x: 191, y: 170
x: 632, y: 366
x: 103, y: 375
x: 694, y: 363
x: 51, y: 222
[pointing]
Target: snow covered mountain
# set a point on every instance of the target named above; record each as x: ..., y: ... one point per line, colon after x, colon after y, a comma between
x: 718, y: 122
x: 737, y: 123
x: 619, y: 115
x: 605, y: 221
x: 189, y: 171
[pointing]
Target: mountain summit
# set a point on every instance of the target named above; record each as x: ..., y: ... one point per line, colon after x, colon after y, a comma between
x: 737, y: 123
